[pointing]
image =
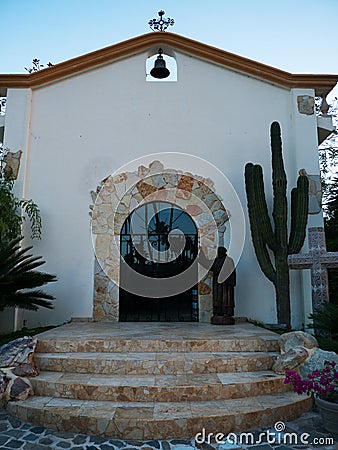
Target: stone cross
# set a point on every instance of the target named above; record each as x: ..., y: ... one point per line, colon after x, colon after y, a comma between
x: 318, y: 260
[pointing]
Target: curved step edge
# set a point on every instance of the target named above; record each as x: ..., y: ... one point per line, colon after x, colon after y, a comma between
x: 162, y: 420
x: 165, y: 388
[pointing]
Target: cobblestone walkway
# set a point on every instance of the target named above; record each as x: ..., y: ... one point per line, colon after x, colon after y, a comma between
x: 15, y: 434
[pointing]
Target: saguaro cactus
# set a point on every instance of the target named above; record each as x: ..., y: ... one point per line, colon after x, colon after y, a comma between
x: 264, y: 235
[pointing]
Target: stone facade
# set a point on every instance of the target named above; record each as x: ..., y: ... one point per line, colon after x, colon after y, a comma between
x: 118, y: 195
x: 12, y: 164
x: 306, y: 104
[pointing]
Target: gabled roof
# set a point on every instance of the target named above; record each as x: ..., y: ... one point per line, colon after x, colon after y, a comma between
x: 321, y: 83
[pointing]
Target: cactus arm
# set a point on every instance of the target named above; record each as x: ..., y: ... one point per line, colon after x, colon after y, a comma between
x: 294, y: 198
x: 259, y: 243
x: 279, y: 188
x: 262, y: 209
x: 279, y: 214
x: 299, y: 214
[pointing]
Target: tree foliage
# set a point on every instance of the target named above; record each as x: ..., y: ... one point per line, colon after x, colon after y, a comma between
x: 326, y: 319
x: 331, y: 233
x: 328, y: 157
x: 36, y: 66
x: 14, y: 210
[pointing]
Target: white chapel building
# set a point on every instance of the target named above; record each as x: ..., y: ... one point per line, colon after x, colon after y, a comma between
x: 101, y: 139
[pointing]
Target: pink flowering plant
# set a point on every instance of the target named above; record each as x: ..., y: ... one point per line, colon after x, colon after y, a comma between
x: 322, y: 383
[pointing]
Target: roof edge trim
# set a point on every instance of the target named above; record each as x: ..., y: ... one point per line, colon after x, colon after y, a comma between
x: 321, y: 83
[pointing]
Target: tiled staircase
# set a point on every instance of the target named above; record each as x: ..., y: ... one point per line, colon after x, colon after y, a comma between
x: 157, y: 387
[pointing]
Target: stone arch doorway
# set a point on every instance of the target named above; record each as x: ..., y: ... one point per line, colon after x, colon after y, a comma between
x: 120, y: 194
x: 158, y: 240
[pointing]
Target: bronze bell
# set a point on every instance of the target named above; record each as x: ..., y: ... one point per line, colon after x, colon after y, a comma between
x: 159, y: 70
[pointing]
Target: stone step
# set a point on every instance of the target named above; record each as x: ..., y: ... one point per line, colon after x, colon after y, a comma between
x: 246, y: 344
x: 159, y: 388
x: 161, y: 420
x: 139, y: 363
x: 156, y: 337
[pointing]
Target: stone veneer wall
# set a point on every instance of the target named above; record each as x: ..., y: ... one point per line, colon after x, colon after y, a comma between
x: 118, y: 195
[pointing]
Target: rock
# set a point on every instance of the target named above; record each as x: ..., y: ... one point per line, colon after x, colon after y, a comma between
x: 294, y: 339
x: 156, y: 167
x: 203, y: 288
x: 193, y: 210
x: 26, y: 370
x: 3, y: 385
x: 145, y: 189
x: 12, y: 161
x: 290, y: 359
x: 185, y: 183
x: 17, y: 352
x: 18, y: 389
x: 316, y: 361
x: 142, y: 171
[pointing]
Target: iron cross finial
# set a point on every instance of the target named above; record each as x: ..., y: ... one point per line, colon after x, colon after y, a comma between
x: 162, y: 24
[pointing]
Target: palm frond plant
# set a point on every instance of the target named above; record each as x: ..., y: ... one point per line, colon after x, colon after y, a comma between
x: 19, y: 279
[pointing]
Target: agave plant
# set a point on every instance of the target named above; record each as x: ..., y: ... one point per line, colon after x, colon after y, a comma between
x: 19, y: 281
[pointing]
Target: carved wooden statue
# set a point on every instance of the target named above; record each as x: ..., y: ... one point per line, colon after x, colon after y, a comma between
x: 223, y: 284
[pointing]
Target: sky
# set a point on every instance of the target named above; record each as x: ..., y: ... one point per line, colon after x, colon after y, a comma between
x: 294, y: 35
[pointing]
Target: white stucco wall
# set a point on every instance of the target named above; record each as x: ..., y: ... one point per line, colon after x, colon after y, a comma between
x: 85, y: 127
